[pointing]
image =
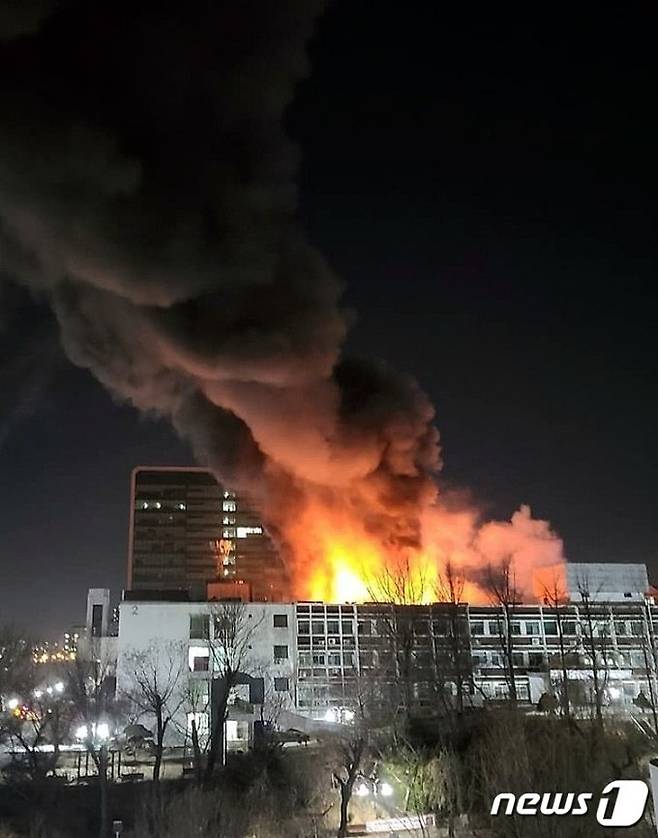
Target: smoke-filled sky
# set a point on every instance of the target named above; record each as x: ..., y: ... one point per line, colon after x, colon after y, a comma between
x: 484, y: 190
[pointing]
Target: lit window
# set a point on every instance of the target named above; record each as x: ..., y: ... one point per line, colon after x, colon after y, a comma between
x: 158, y: 505
x: 229, y: 506
x: 243, y: 532
x: 181, y: 506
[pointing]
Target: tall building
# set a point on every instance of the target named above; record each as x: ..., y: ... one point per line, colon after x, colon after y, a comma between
x: 186, y: 531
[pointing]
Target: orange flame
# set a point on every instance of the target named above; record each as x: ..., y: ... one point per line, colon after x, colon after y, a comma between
x: 338, y: 560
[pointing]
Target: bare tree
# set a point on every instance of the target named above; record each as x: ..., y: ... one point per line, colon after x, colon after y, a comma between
x: 156, y: 689
x: 91, y: 688
x: 556, y: 598
x: 595, y: 634
x: 449, y: 592
x: 500, y: 583
x: 351, y: 752
x: 233, y: 630
x: 197, y: 708
x: 37, y: 728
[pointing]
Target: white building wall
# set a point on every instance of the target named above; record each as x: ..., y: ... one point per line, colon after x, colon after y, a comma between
x: 607, y: 582
x: 159, y: 634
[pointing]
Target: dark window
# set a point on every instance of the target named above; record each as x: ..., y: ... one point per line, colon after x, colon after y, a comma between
x: 550, y: 628
x: 280, y: 621
x: 476, y: 628
x: 365, y: 627
x: 281, y: 685
x: 332, y: 627
x: 346, y: 627
x: 303, y: 627
x: 280, y: 652
x: 536, y: 659
x: 96, y: 620
x: 318, y: 627
x: 199, y: 627
x: 201, y: 663
x: 569, y: 627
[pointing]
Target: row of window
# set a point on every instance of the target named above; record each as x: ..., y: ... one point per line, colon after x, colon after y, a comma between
x: 200, y: 625
x: 199, y: 657
x: 322, y: 627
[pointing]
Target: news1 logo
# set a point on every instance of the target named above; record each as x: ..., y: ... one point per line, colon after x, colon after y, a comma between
x: 621, y: 803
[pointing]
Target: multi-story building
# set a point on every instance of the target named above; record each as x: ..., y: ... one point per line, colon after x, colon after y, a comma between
x: 312, y: 661
x: 186, y: 530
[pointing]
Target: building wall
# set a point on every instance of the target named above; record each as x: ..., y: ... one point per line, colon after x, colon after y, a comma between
x: 325, y: 651
x: 173, y: 638
x: 613, y: 582
x: 186, y: 530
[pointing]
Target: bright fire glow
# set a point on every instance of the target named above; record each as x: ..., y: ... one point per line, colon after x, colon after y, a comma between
x: 338, y: 560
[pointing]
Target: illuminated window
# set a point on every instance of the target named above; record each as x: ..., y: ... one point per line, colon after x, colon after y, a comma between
x: 229, y: 506
x: 243, y: 532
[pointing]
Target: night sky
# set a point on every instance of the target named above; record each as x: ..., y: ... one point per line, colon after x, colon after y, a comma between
x: 486, y: 187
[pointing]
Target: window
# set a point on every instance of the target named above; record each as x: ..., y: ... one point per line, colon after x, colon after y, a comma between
x: 319, y: 659
x: 229, y: 506
x: 637, y: 628
x: 303, y: 627
x: 280, y: 653
x: 334, y: 659
x: 201, y: 663
x: 243, y: 532
x: 620, y: 628
x: 365, y: 627
x: 318, y: 626
x: 96, y: 620
x: 550, y: 628
x: 281, y: 685
x: 532, y: 628
x: 569, y: 627
x: 535, y: 659
x: 199, y: 627
x: 332, y: 627
x: 516, y: 628
x: 476, y: 628
x: 346, y: 627
x: 441, y: 627
x: 280, y: 621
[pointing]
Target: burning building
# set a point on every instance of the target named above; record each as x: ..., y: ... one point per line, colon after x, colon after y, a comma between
x: 149, y: 197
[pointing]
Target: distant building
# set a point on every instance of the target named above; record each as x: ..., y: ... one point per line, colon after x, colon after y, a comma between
x: 607, y: 582
x: 186, y: 531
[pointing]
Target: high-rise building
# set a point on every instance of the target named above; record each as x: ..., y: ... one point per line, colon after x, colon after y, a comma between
x: 186, y: 531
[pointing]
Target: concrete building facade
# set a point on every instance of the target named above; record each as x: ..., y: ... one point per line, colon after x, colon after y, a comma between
x: 187, y: 530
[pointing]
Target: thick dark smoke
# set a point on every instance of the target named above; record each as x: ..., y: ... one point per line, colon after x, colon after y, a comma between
x: 147, y: 191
